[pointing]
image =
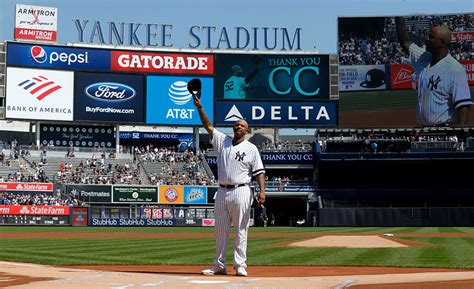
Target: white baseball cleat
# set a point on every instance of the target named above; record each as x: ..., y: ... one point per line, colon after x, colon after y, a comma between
x: 214, y: 270
x: 241, y: 271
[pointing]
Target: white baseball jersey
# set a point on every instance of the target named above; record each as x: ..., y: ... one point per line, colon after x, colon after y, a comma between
x: 235, y: 87
x: 442, y: 88
x: 235, y: 165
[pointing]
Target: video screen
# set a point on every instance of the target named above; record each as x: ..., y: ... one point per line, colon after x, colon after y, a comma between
x: 407, y: 71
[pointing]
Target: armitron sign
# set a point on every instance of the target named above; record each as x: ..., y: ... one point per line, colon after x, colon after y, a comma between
x: 35, y: 210
x: 26, y: 187
x: 36, y: 23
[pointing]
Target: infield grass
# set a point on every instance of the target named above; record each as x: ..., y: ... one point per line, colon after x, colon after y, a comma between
x: 448, y: 252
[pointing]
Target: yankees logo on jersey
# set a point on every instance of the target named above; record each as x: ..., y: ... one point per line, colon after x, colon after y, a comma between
x: 433, y: 83
x: 239, y: 156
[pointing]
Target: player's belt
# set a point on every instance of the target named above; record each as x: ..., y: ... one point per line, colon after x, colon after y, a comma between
x: 232, y: 186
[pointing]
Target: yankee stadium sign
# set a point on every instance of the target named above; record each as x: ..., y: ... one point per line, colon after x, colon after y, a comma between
x: 204, y: 37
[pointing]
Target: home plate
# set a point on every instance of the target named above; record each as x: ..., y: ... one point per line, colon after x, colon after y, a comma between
x: 208, y: 281
x: 349, y: 242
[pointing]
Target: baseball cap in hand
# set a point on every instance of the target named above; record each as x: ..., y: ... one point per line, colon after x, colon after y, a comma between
x: 374, y: 78
x: 194, y: 87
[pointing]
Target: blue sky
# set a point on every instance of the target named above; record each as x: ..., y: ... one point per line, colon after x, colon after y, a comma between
x: 316, y: 18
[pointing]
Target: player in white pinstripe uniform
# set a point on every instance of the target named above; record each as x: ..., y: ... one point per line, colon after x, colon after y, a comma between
x: 443, y: 89
x: 237, y: 161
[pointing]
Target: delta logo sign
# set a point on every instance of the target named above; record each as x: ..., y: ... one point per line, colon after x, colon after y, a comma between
x: 50, y: 56
x: 321, y: 113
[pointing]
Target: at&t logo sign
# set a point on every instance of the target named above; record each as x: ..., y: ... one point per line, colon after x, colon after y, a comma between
x: 179, y: 95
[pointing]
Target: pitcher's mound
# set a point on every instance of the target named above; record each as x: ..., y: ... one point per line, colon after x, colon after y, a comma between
x: 350, y: 242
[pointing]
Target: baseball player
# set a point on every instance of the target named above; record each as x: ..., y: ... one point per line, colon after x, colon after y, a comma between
x: 237, y: 161
x: 235, y: 87
x: 443, y: 91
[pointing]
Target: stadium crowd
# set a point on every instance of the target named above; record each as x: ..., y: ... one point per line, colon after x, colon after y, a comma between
x: 97, y: 172
x: 287, y: 146
x: 38, y: 200
x: 175, y: 168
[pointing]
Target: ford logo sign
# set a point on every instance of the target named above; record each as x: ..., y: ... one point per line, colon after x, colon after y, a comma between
x: 110, y: 91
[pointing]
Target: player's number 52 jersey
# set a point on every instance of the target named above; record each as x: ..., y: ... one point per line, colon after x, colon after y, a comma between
x: 235, y: 87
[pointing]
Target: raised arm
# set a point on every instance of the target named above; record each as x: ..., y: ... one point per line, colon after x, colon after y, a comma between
x: 402, y: 33
x: 206, y: 123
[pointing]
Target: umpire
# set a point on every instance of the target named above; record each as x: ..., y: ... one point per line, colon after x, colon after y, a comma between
x: 237, y: 161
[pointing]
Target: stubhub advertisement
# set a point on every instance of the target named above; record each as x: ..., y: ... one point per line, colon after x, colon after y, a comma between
x: 51, y: 56
x: 169, y: 102
x: 108, y: 97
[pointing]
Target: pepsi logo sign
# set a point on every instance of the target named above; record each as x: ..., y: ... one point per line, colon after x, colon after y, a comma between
x: 38, y: 54
x: 110, y: 91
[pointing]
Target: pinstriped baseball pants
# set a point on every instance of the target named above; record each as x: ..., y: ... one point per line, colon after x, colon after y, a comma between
x: 232, y: 205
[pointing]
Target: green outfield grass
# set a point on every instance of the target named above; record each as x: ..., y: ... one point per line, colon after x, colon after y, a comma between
x: 379, y: 100
x: 449, y: 252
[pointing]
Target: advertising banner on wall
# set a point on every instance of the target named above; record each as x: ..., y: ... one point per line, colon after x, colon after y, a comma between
x: 134, y: 194
x: 127, y: 222
x: 169, y: 102
x: 79, y: 216
x: 276, y: 158
x: 108, y: 97
x: 272, y: 77
x: 401, y: 76
x: 26, y: 187
x: 362, y: 77
x: 39, y: 94
x: 287, y: 158
x: 297, y: 190
x: 166, y: 63
x: 34, y: 210
x: 277, y: 113
x: 462, y: 36
x: 469, y: 66
x: 36, y: 23
x: 195, y: 195
x: 90, y: 193
x: 62, y: 57
x: 171, y: 195
x: 77, y: 135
